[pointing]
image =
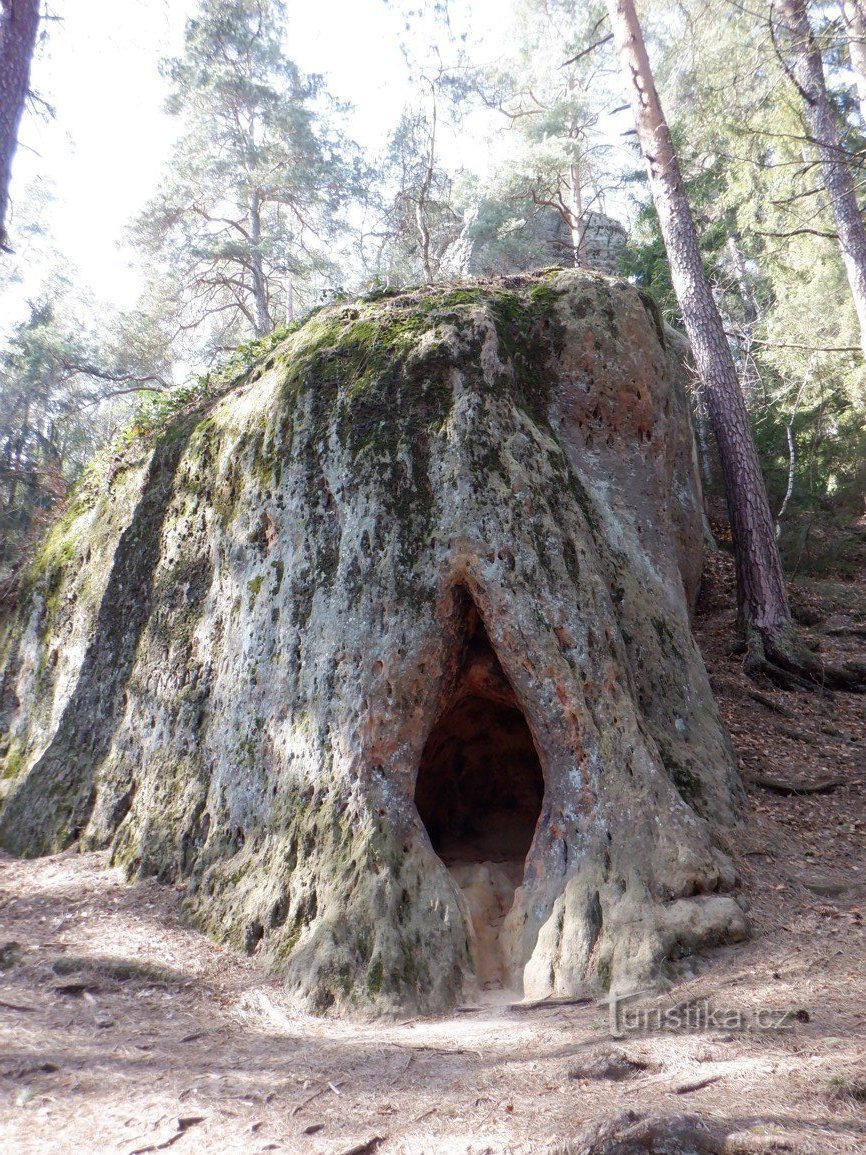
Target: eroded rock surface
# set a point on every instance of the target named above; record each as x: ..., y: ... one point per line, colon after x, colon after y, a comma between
x: 447, y: 541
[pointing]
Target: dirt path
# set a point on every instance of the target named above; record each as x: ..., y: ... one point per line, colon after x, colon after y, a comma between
x: 125, y: 1031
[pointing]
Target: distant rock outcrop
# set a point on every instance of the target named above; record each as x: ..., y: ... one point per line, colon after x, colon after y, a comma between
x: 385, y: 655
x: 492, y: 243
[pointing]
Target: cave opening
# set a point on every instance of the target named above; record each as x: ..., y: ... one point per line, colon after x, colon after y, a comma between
x: 479, y: 794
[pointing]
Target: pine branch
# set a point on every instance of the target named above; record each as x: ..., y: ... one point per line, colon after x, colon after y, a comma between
x: 800, y: 232
x: 587, y: 51
x: 147, y: 382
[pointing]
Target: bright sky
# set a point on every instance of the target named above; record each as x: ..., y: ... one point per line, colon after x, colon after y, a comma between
x: 102, y: 154
x: 102, y: 151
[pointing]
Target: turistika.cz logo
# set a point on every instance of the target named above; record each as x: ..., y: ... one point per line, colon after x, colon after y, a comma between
x: 692, y: 1017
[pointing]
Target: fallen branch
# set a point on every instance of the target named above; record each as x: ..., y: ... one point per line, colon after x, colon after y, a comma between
x: 76, y: 990
x: 181, y: 1126
x: 329, y: 1087
x: 770, y: 704
x: 696, y: 1085
x: 365, y: 1148
x: 799, y: 735
x: 543, y: 1004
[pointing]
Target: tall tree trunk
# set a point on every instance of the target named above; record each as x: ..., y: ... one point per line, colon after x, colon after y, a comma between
x: 575, y: 217
x: 264, y: 323
x: 19, y: 20
x: 855, y: 24
x: 421, y: 202
x: 807, y: 72
x: 761, y: 587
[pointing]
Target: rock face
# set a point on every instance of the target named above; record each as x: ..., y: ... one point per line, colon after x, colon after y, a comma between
x: 385, y: 653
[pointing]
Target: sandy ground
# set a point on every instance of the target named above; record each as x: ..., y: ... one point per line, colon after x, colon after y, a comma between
x: 125, y: 1031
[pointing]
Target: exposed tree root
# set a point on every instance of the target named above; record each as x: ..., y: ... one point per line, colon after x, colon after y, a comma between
x: 847, y: 632
x: 767, y: 782
x: 787, y: 663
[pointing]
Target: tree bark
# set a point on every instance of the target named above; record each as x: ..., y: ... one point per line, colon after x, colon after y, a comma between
x: 855, y: 24
x: 761, y: 588
x: 19, y: 20
x: 807, y: 71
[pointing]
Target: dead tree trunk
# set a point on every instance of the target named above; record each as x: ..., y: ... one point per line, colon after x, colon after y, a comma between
x: 19, y: 20
x: 762, y: 596
x: 807, y: 72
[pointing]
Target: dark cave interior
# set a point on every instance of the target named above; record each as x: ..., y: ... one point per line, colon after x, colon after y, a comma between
x: 480, y: 783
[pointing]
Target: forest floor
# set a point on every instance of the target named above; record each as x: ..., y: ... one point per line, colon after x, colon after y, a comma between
x: 125, y: 1031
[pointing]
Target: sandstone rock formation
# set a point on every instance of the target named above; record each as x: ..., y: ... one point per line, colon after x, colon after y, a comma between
x: 385, y: 654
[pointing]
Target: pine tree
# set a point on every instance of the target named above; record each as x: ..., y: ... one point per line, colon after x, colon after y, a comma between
x: 244, y: 217
x: 762, y: 595
x: 769, y: 248
x: 549, y: 91
x: 807, y: 71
